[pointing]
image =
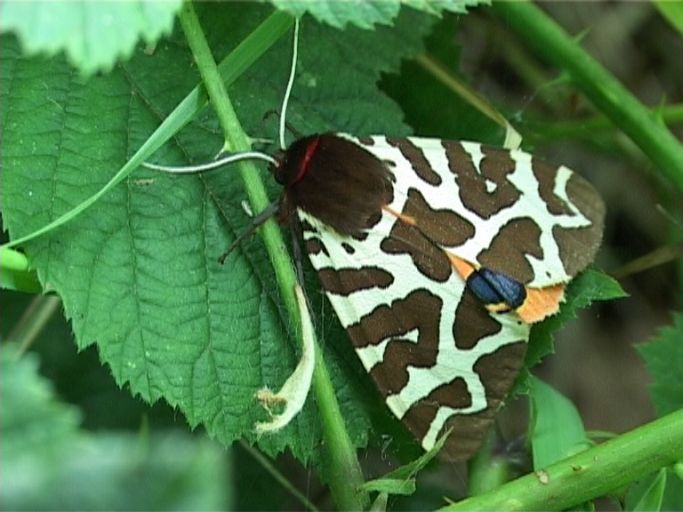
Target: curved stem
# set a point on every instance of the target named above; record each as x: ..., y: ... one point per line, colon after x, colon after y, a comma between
x: 345, y: 473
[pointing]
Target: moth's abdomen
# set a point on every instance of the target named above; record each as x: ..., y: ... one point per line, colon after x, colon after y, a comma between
x: 337, y: 182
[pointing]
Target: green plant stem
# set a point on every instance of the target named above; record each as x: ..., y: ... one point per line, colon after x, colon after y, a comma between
x: 274, y: 472
x: 345, y: 473
x: 33, y: 321
x: 600, y: 86
x: 589, y: 474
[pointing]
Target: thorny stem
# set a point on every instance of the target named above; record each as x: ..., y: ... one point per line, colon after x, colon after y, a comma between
x: 345, y: 473
x: 589, y: 474
x: 599, y: 86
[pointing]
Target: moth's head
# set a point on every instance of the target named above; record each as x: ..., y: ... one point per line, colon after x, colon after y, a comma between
x: 293, y: 163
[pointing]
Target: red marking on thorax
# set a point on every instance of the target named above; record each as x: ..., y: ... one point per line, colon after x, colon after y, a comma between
x: 306, y: 161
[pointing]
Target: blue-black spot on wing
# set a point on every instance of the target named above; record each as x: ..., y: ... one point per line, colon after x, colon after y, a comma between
x: 494, y: 288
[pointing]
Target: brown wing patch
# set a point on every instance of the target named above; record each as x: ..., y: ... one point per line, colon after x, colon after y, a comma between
x: 443, y: 227
x: 419, y: 417
x: 499, y: 369
x: 451, y: 394
x: 429, y: 259
x: 488, y: 191
x: 345, y: 281
x: 579, y: 245
x: 545, y: 175
x: 315, y: 246
x: 417, y: 159
x: 420, y: 311
x: 420, y: 231
x: 508, y: 249
x: 472, y: 321
x: 497, y: 372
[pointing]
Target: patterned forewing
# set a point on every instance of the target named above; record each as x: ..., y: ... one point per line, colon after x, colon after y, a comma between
x: 511, y: 212
x: 439, y: 358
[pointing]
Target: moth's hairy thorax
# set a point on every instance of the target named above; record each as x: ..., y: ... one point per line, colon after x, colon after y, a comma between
x: 336, y: 181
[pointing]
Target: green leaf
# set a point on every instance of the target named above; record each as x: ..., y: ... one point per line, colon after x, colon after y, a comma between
x: 589, y: 286
x: 137, y: 272
x: 673, y: 493
x: 367, y: 13
x: 401, y: 481
x: 93, y: 36
x: 437, y: 6
x: 55, y: 465
x: 673, y: 12
x: 651, y: 498
x: 648, y: 493
x: 663, y: 356
x: 363, y: 14
x: 556, y: 428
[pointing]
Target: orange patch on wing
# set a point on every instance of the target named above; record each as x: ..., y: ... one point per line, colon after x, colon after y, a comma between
x: 402, y: 217
x: 463, y: 268
x: 541, y: 303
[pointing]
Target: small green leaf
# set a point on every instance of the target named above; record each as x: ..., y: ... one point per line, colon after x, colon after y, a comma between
x: 673, y: 492
x: 93, y: 35
x: 438, y: 6
x: 556, y: 427
x: 15, y: 273
x: 589, y: 286
x: 486, y: 477
x: 363, y: 14
x: 402, y: 480
x: 647, y: 495
x: 367, y: 13
x: 678, y: 470
x: 663, y: 356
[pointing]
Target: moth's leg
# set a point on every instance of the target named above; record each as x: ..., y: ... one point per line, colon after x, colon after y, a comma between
x: 297, y: 237
x: 256, y: 221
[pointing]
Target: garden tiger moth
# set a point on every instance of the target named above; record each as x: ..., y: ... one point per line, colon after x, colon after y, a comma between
x: 437, y: 257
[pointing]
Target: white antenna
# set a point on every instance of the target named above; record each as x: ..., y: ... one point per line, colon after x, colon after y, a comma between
x: 292, y: 72
x: 247, y: 155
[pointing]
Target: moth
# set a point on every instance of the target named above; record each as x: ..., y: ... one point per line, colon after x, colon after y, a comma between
x: 437, y: 256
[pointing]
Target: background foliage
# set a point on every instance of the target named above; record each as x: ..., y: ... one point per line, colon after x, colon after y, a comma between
x: 137, y: 272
